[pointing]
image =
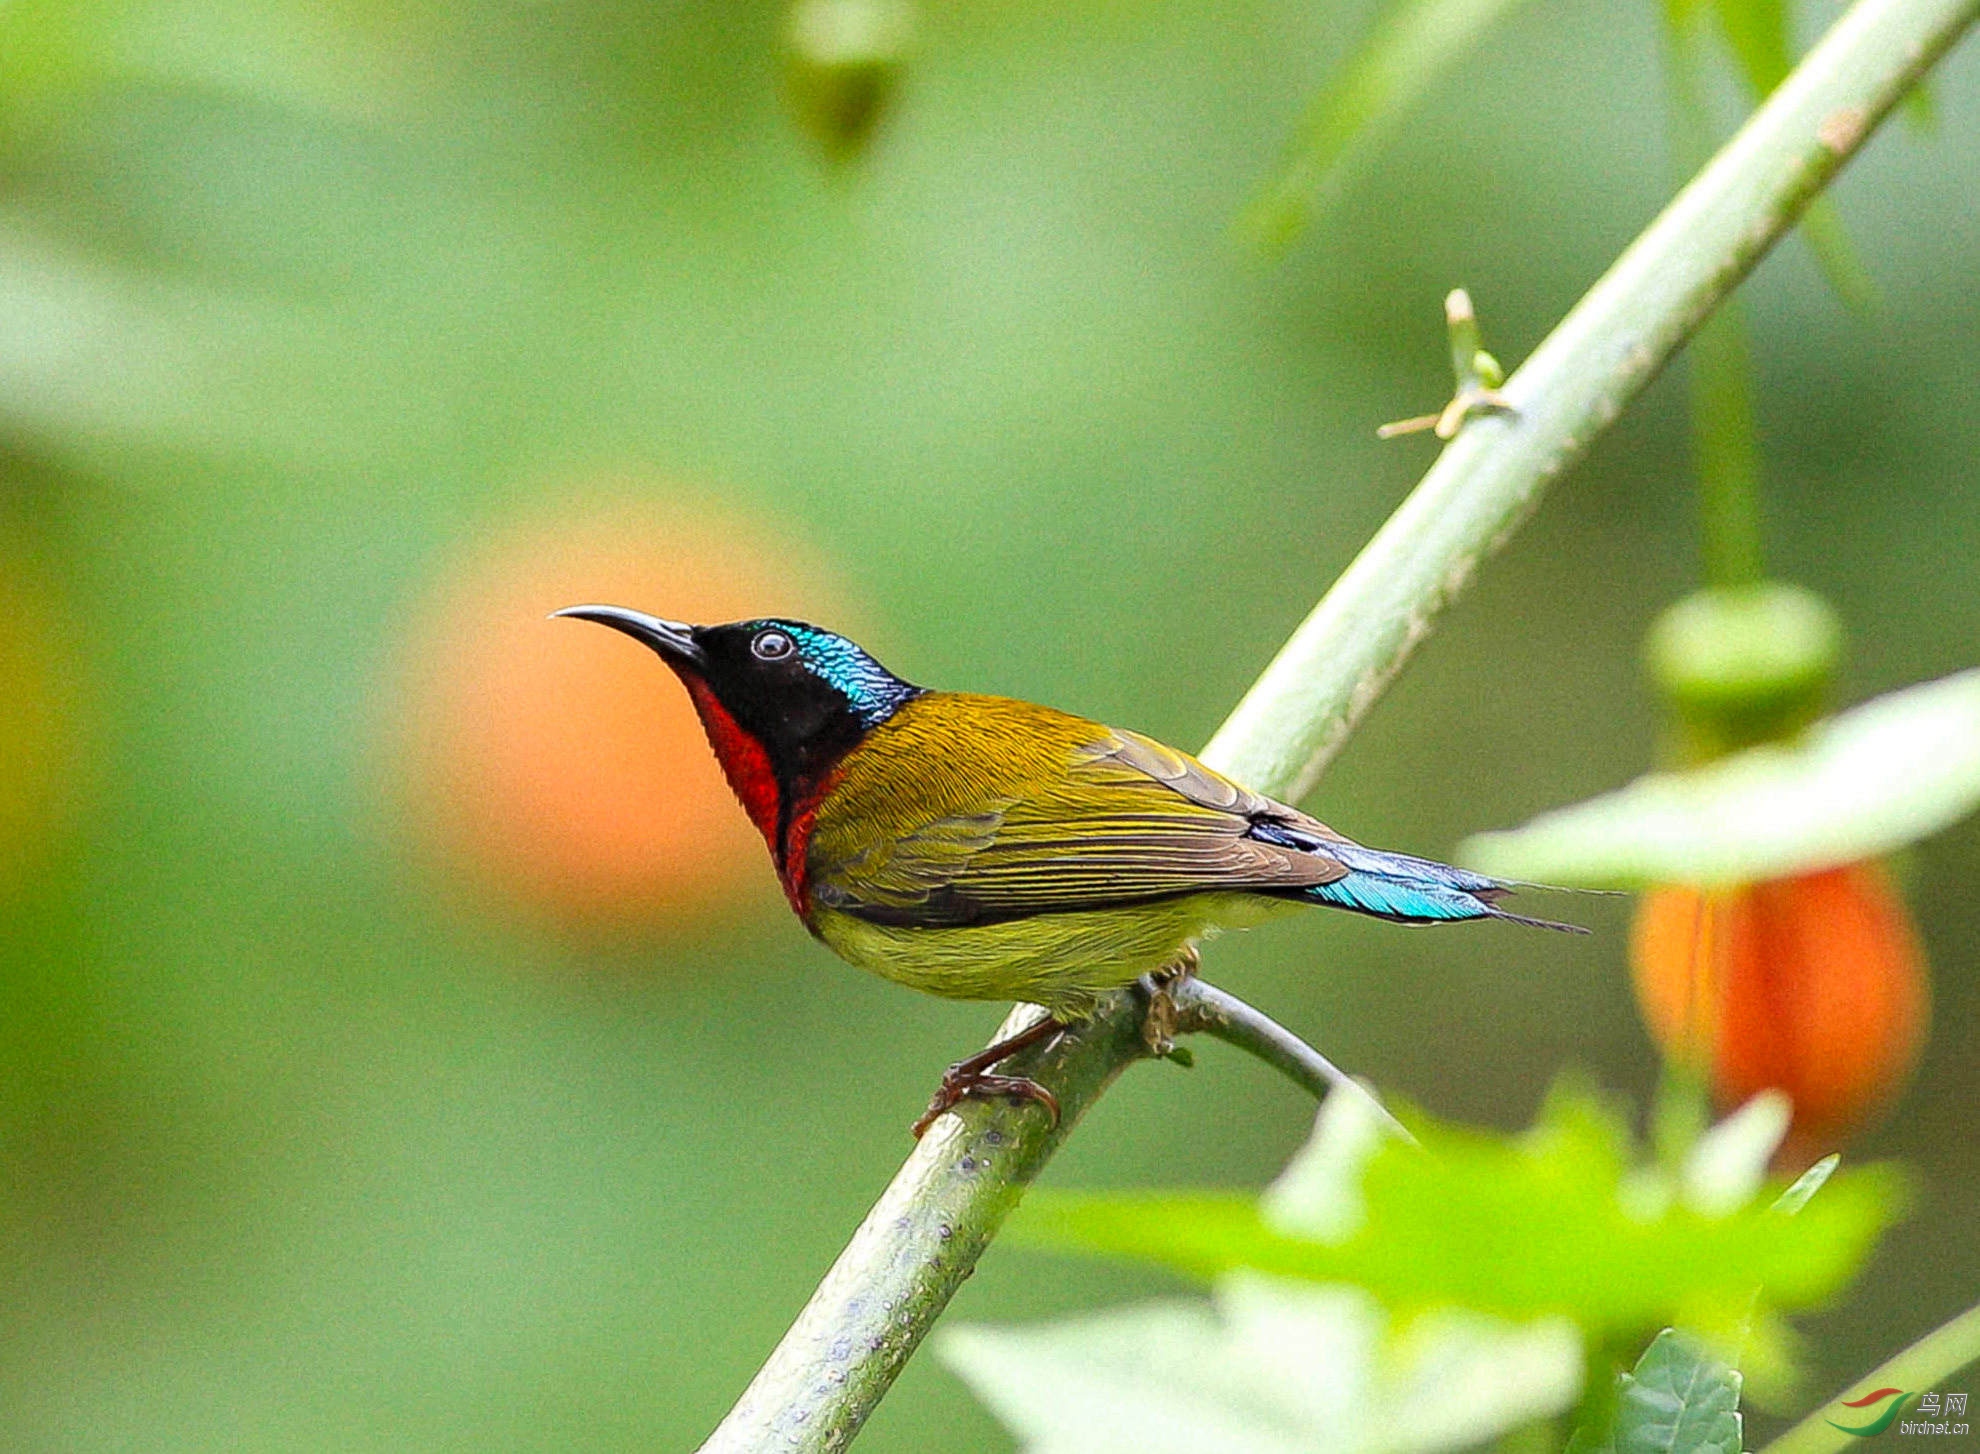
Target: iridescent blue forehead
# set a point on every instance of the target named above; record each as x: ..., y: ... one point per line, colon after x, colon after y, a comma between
x: 874, y: 692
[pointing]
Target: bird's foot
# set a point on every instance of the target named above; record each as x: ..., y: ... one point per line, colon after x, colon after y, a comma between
x: 982, y: 1086
x: 1158, y: 1026
x: 971, y: 1079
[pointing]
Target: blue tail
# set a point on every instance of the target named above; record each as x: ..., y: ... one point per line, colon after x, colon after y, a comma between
x: 1408, y: 890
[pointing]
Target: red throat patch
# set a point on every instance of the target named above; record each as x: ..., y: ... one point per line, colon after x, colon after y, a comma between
x: 747, y: 767
x: 797, y: 846
x: 744, y: 762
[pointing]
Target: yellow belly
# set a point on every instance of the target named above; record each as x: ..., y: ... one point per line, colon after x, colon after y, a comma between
x: 1061, y: 961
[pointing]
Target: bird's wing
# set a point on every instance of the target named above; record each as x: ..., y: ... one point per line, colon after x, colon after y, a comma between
x: 1117, y: 819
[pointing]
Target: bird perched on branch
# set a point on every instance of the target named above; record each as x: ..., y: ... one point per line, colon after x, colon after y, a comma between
x: 982, y: 848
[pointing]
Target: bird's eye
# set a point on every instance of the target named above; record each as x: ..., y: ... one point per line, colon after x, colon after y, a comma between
x: 771, y: 646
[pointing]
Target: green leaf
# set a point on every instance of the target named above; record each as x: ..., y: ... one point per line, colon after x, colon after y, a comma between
x: 1757, y: 33
x: 1274, y: 1368
x: 1806, y: 1185
x: 1557, y: 1222
x: 1347, y: 122
x: 333, y: 59
x: 1821, y: 228
x: 1861, y: 784
x: 1679, y: 1400
x: 1727, y: 1164
x: 1319, y: 1193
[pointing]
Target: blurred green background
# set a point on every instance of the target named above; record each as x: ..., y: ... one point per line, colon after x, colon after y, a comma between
x: 323, y: 1128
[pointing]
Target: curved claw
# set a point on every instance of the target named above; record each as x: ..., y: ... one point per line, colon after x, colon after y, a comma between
x: 971, y: 1079
x: 1158, y: 1026
x: 980, y: 1086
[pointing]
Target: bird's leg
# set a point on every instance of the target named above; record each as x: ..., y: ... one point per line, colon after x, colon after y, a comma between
x: 970, y: 1079
x: 1158, y: 1027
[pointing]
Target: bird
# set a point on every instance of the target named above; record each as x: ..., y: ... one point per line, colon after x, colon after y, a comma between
x: 981, y: 847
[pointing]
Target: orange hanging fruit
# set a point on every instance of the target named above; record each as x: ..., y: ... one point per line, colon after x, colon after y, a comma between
x: 548, y: 765
x: 1813, y: 985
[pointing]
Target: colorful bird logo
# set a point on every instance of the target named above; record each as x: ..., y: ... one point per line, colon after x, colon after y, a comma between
x: 1898, y: 1399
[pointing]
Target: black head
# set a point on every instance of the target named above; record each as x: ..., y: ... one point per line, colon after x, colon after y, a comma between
x: 803, y: 694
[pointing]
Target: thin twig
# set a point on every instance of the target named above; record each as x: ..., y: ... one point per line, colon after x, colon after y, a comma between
x: 924, y: 1236
x: 1201, y: 1006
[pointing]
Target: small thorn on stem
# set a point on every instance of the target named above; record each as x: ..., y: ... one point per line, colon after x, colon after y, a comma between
x: 1478, y: 378
x: 1396, y: 428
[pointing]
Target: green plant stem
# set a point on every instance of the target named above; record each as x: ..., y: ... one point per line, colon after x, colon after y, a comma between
x: 1936, y: 1356
x: 1725, y: 445
x: 1725, y: 441
x: 1614, y: 341
x: 923, y: 1237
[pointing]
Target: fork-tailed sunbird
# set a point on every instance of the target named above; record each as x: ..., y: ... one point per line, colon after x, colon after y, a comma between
x: 989, y: 849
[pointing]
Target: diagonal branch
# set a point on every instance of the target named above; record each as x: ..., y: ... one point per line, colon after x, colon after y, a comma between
x: 1926, y: 1364
x: 923, y: 1237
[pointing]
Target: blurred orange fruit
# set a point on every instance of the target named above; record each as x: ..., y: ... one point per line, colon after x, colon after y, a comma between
x: 1814, y: 985
x: 562, y: 765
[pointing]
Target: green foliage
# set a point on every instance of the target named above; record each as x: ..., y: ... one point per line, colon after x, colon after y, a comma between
x: 1416, y: 41
x: 1807, y: 1184
x: 1863, y: 783
x: 1349, y: 119
x: 270, y: 377
x: 1381, y: 1296
x: 1757, y: 33
x: 1272, y: 1367
x: 1561, y: 1221
x: 334, y: 58
x: 1821, y: 228
x: 1679, y: 1400
x: 1725, y: 1166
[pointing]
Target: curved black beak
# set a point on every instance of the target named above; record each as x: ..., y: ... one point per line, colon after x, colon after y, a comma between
x: 674, y: 640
